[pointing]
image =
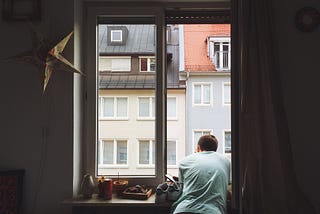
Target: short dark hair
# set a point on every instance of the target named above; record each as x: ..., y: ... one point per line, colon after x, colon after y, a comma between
x: 208, y: 143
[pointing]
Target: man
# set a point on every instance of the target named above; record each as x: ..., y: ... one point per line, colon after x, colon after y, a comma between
x: 205, y: 177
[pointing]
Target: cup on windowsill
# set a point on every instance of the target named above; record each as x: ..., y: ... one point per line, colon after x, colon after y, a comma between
x: 119, y: 186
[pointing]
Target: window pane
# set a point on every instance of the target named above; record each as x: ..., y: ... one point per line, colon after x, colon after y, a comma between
x: 108, y: 152
x: 226, y: 95
x: 121, y: 107
x: 206, y: 94
x: 171, y: 107
x: 130, y: 107
x: 116, y: 35
x: 121, y: 152
x: 197, y: 135
x: 171, y: 153
x: 144, y: 107
x: 152, y: 64
x: 153, y: 104
x: 153, y: 152
x: 197, y: 94
x: 144, y: 152
x: 143, y: 64
x: 108, y: 107
x: 227, y: 142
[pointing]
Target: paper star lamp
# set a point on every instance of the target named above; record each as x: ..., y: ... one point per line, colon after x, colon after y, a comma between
x: 46, y: 57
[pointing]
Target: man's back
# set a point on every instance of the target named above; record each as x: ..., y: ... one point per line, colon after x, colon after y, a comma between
x: 205, y: 177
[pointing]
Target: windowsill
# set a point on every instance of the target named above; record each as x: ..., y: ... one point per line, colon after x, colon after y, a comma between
x: 115, y: 201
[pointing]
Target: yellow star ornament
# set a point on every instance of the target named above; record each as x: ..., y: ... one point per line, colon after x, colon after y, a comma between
x: 46, y: 56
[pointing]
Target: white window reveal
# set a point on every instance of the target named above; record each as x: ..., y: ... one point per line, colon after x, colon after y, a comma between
x: 147, y: 64
x: 116, y: 35
x: 220, y: 52
x: 171, y: 152
x: 202, y: 94
x: 114, y: 108
x: 115, y: 64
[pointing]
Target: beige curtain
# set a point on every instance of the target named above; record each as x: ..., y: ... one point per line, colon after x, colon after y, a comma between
x: 267, y: 178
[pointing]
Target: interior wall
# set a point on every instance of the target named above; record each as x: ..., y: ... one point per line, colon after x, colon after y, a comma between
x: 299, y: 65
x: 33, y: 124
x: 36, y: 129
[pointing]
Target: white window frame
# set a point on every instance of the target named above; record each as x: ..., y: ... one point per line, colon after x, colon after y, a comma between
x: 114, y: 164
x: 224, y: 103
x: 220, y: 40
x: 117, y: 57
x: 202, y: 94
x: 150, y: 165
x: 194, y: 144
x: 176, y: 109
x: 87, y: 60
x: 148, y: 63
x: 115, y: 109
x: 172, y: 166
x: 150, y: 117
x: 112, y: 36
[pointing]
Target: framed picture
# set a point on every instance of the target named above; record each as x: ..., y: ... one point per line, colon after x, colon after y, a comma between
x: 11, y: 186
x: 21, y: 10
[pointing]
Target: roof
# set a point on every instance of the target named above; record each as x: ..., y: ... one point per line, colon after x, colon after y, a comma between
x: 140, y: 40
x: 136, y: 81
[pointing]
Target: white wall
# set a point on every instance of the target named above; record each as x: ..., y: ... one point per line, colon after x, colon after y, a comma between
x: 23, y: 115
x: 26, y: 114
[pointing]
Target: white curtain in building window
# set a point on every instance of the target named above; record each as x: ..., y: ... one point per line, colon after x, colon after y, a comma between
x: 108, y: 107
x: 122, y: 107
x: 108, y: 152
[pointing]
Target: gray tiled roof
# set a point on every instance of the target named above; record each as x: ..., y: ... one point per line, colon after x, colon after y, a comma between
x: 141, y: 39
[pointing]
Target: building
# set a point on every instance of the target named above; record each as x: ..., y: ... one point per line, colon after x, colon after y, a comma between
x: 206, y: 70
x: 127, y: 78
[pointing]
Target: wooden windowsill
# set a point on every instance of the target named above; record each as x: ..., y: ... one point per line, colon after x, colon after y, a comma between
x: 115, y: 201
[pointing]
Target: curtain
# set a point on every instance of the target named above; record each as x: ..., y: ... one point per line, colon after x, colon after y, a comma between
x: 267, y: 178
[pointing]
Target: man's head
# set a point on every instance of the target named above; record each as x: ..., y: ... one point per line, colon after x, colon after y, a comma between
x: 207, y: 143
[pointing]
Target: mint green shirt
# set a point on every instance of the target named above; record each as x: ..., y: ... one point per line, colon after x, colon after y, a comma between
x: 205, y: 176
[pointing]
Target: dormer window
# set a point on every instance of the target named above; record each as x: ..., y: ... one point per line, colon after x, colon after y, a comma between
x: 220, y: 52
x: 116, y: 35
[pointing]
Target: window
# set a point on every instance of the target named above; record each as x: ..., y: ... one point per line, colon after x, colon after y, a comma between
x: 147, y: 64
x: 147, y: 127
x: 227, y: 141
x: 113, y: 108
x: 226, y: 93
x: 202, y: 94
x: 115, y: 64
x: 220, y: 52
x: 197, y: 134
x: 171, y: 108
x: 171, y: 152
x: 146, y: 107
x: 113, y: 152
x: 116, y: 35
x: 147, y: 152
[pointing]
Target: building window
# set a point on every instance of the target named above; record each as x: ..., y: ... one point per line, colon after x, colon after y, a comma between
x: 114, y: 108
x: 171, y: 108
x: 116, y: 35
x: 220, y: 53
x: 197, y: 134
x: 227, y: 141
x: 146, y: 107
x: 147, y: 64
x: 113, y: 152
x: 202, y: 94
x: 171, y: 152
x: 115, y: 64
x: 147, y: 152
x: 226, y: 93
